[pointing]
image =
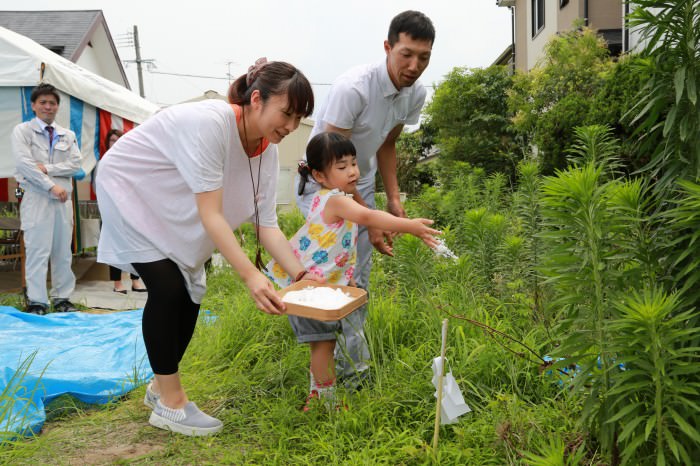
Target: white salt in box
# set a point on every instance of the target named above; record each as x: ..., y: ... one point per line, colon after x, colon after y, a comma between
x: 357, y: 296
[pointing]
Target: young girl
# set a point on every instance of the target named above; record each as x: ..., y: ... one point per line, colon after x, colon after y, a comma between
x: 326, y: 244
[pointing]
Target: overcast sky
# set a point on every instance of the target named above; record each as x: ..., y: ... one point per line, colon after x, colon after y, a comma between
x: 321, y: 37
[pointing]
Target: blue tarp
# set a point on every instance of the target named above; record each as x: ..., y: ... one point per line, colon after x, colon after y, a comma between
x: 94, y: 357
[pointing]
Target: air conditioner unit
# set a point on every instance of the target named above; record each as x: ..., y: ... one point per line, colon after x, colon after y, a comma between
x: 505, y: 2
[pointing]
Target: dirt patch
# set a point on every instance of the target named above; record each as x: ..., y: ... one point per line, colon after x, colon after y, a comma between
x: 117, y: 452
x: 102, y: 436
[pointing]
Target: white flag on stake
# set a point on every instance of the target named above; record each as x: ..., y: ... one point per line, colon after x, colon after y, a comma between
x: 452, y: 405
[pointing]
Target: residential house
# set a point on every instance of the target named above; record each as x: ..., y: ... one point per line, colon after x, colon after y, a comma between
x: 81, y: 36
x: 534, y: 22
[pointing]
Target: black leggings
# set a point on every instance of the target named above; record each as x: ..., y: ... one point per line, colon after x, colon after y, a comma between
x: 169, y: 316
x: 115, y: 274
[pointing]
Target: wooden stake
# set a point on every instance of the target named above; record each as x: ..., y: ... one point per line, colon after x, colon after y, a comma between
x: 441, y: 377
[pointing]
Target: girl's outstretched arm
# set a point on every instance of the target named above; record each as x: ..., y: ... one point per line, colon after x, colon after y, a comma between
x: 342, y: 207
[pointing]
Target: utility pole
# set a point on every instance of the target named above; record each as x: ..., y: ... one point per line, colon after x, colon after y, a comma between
x: 138, y: 60
x: 129, y: 39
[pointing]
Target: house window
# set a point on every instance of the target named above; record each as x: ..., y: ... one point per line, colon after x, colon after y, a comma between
x: 57, y: 49
x: 537, y: 16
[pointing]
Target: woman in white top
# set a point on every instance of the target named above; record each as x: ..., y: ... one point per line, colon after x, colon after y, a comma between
x: 173, y: 189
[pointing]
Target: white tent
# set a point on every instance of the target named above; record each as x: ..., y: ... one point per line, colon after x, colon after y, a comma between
x: 90, y: 104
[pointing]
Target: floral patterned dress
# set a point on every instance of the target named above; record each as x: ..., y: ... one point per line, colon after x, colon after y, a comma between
x: 327, y: 249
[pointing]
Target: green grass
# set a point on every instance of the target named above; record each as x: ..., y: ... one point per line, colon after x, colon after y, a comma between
x: 247, y: 369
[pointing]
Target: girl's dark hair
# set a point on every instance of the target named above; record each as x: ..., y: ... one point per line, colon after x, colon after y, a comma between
x: 111, y: 133
x: 322, y: 150
x: 276, y: 78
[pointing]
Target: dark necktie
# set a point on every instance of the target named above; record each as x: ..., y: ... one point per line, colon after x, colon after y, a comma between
x: 50, y: 130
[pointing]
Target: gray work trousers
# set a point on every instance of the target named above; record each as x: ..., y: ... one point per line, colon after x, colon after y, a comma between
x: 48, y: 232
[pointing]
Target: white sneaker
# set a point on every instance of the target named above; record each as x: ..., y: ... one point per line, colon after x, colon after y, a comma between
x: 151, y: 397
x: 187, y: 421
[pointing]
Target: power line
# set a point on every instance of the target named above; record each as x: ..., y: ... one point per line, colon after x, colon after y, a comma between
x: 186, y: 75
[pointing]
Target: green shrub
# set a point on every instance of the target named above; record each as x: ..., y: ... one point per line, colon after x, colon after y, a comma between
x: 470, y: 116
x: 559, y: 94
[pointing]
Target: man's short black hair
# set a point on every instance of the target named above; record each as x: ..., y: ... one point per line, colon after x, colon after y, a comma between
x: 45, y: 89
x: 413, y: 23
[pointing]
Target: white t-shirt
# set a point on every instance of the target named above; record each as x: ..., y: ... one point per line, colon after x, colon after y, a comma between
x: 364, y: 100
x: 148, y: 180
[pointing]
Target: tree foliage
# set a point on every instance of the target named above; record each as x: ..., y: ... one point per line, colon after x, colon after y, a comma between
x: 469, y: 113
x: 618, y: 94
x: 412, y: 171
x: 560, y: 93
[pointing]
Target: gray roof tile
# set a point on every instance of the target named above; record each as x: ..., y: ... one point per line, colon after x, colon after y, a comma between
x: 61, y: 31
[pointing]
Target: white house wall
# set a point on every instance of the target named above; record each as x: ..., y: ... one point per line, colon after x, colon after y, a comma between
x: 98, y: 57
x: 291, y: 150
x: 636, y: 42
x: 536, y: 44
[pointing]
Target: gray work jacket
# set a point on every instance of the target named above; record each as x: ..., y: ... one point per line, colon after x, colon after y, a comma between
x: 30, y: 146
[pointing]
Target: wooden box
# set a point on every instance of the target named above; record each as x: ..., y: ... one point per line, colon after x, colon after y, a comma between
x: 358, y: 294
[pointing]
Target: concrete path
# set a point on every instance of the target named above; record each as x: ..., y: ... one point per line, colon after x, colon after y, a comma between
x: 98, y: 294
x: 93, y: 288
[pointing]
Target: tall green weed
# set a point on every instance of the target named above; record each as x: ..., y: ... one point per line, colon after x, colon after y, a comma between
x: 582, y: 232
x: 15, y: 393
x: 655, y: 397
x: 683, y: 220
x: 527, y: 208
